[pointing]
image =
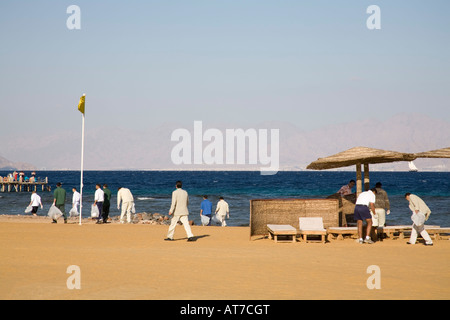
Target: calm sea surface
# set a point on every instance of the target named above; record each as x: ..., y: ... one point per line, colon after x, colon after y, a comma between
x: 152, y: 190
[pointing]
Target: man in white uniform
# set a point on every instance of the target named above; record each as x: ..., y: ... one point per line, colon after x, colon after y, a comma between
x: 222, y: 210
x: 35, y: 203
x: 179, y: 209
x: 420, y: 214
x: 124, y: 195
x: 76, y: 198
x: 99, y: 197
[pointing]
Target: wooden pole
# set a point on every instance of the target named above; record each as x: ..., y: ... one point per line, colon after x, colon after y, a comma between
x: 366, y: 177
x: 358, y: 180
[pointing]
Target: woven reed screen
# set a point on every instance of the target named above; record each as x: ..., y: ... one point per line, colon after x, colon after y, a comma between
x: 287, y: 211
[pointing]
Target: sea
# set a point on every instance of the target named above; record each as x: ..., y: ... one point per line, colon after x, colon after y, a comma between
x: 152, y: 190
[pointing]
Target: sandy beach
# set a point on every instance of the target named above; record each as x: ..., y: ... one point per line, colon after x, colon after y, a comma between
x: 134, y: 262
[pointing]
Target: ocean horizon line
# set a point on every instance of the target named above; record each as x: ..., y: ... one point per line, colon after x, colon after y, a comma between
x: 222, y: 170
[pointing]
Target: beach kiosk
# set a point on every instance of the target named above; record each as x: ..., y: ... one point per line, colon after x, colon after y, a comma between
x: 364, y: 156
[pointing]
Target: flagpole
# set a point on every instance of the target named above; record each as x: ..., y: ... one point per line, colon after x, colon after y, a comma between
x: 82, y: 164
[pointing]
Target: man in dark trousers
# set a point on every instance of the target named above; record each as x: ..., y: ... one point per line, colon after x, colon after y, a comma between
x: 365, y: 203
x: 59, y: 200
x: 106, y: 203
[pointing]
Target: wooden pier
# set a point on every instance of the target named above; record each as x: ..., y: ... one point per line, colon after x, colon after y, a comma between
x: 17, y: 186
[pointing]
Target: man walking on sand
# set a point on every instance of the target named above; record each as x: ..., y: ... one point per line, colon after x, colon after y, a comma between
x: 364, y: 204
x: 222, y: 211
x: 59, y: 200
x: 420, y: 214
x: 35, y: 203
x: 99, y: 198
x: 205, y: 211
x: 106, y: 203
x: 76, y: 199
x: 179, y: 209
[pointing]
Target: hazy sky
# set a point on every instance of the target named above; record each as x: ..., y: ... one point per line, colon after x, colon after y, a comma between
x: 145, y: 63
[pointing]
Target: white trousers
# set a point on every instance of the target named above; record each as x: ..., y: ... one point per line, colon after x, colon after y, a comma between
x: 185, y: 221
x: 419, y: 230
x: 126, y: 209
x: 221, y: 219
x: 378, y: 220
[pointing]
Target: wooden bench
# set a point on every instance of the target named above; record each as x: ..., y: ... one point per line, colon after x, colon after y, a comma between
x: 341, y: 231
x: 284, y: 230
x: 312, y: 226
x: 437, y: 233
x: 390, y: 230
x: 402, y: 230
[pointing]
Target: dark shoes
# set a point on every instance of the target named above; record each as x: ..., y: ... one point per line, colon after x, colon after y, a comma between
x: 54, y: 221
x: 189, y: 239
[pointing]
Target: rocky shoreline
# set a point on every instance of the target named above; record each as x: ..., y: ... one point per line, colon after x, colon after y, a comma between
x: 146, y: 218
x: 137, y: 218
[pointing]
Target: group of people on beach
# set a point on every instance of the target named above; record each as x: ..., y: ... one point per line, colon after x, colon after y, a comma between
x: 373, y: 205
x: 100, y: 207
x: 102, y: 201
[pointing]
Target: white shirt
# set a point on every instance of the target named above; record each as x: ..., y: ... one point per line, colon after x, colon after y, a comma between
x: 76, y: 198
x: 35, y: 200
x: 222, y: 208
x: 99, y: 195
x: 365, y: 198
x: 125, y: 195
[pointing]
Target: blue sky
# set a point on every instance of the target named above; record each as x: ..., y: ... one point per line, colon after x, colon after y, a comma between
x: 145, y: 63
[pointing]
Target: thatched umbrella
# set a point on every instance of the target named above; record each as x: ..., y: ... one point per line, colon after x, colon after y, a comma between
x: 439, y: 153
x: 362, y: 155
x: 358, y: 156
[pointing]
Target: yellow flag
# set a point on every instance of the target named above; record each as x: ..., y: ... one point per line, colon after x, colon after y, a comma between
x: 81, y: 104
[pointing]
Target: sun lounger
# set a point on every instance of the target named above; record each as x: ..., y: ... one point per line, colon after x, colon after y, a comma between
x: 312, y: 226
x: 341, y: 231
x: 284, y: 230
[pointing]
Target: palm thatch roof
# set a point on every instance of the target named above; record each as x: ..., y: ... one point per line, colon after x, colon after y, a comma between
x: 364, y: 156
x: 359, y: 155
x: 439, y: 153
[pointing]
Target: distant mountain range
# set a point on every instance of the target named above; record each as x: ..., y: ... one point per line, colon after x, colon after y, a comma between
x: 6, y: 165
x: 150, y: 149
